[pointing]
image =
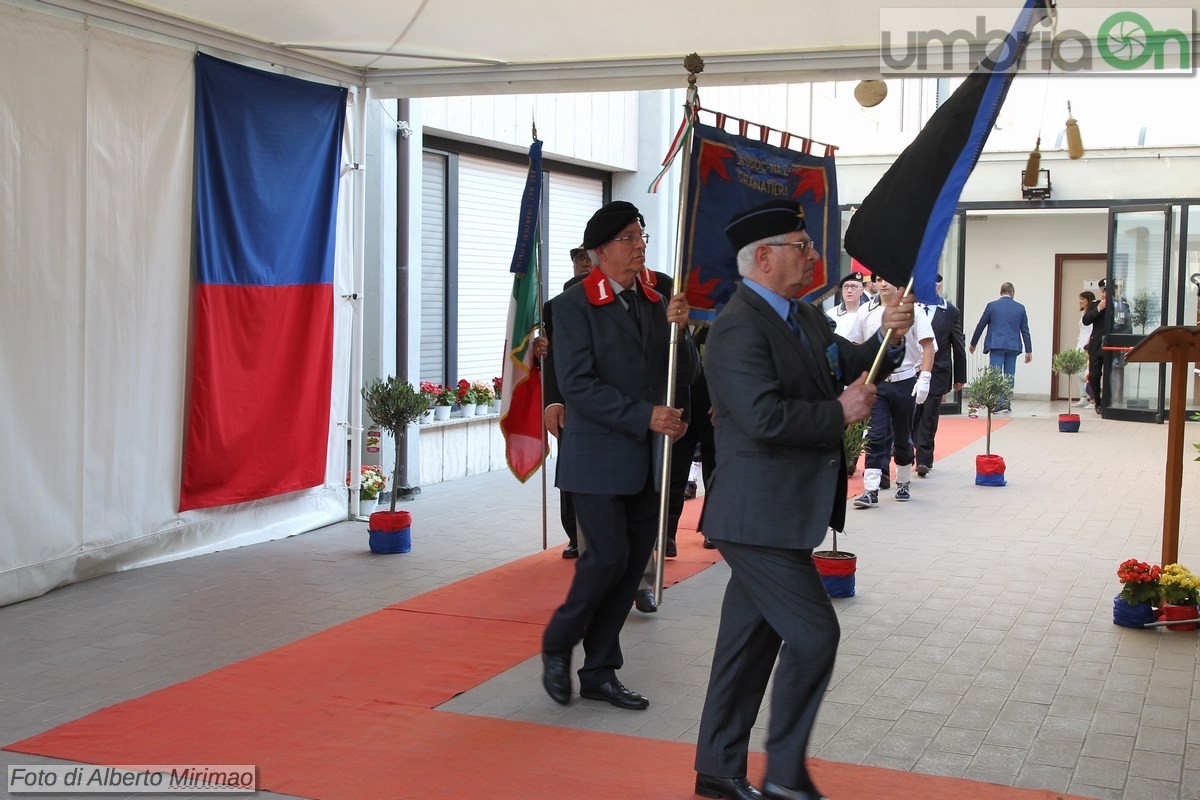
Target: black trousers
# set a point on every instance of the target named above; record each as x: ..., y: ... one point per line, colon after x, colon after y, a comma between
x: 620, y: 535
x: 566, y: 513
x: 775, y: 604
x: 924, y: 428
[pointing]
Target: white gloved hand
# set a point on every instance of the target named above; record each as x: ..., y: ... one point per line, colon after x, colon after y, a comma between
x: 921, y: 388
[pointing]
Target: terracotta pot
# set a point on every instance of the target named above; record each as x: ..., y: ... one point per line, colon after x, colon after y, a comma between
x: 1068, y: 423
x: 1170, y: 611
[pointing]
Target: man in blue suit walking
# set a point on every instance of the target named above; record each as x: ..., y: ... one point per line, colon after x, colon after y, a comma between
x: 1007, y: 333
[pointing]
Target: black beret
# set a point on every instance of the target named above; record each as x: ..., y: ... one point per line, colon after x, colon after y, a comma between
x: 609, y: 221
x: 761, y: 222
x: 856, y: 277
x: 1103, y: 283
x: 575, y: 251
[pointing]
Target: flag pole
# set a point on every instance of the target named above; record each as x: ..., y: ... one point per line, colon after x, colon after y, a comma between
x: 887, y: 338
x: 694, y: 65
x: 541, y: 292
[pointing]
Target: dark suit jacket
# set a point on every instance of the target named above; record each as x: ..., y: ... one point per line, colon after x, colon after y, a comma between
x: 1007, y: 326
x: 950, y: 362
x: 780, y: 478
x: 611, y: 375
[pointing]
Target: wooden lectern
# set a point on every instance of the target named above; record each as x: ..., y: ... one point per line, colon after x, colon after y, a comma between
x: 1179, y: 345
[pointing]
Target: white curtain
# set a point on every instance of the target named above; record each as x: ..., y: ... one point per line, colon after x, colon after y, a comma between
x: 95, y: 279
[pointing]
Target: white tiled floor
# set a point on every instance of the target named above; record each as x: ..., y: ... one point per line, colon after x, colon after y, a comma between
x: 980, y: 643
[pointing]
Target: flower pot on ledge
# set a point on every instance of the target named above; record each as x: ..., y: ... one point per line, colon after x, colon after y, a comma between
x: 390, y: 532
x: 989, y: 471
x: 1068, y: 423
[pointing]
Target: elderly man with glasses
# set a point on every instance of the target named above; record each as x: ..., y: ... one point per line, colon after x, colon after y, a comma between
x: 611, y: 347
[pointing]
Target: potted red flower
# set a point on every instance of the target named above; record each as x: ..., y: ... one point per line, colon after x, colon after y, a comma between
x: 1134, y: 606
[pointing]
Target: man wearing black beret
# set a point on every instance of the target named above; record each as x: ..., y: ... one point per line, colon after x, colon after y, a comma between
x: 610, y: 350
x: 851, y: 289
x: 784, y: 387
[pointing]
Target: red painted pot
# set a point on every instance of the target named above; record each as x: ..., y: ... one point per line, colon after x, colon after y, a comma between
x: 836, y: 571
x: 1171, y: 612
x: 989, y: 471
x: 1068, y: 423
x: 390, y: 532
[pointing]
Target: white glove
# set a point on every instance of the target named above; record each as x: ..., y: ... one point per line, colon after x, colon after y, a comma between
x: 921, y: 388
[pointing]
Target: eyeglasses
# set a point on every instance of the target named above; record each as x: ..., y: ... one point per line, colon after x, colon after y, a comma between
x: 645, y: 237
x: 801, y: 247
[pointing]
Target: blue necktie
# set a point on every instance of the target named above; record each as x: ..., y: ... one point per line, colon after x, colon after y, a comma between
x: 795, y: 323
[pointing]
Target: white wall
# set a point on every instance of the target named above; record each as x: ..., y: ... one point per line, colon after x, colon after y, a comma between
x: 598, y: 129
x: 1020, y: 249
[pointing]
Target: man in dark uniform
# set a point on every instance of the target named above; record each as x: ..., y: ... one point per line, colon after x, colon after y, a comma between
x: 610, y: 350
x: 949, y: 371
x: 784, y: 387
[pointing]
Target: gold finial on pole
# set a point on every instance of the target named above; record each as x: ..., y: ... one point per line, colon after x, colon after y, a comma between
x: 694, y: 64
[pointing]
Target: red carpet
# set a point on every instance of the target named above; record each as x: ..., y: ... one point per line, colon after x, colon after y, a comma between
x: 348, y: 714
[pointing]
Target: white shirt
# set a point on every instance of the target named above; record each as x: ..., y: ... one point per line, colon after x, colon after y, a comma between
x: 843, y: 320
x: 1085, y: 333
x: 869, y: 320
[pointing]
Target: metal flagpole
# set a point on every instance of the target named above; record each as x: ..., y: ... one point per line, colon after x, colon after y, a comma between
x: 694, y: 64
x: 541, y: 293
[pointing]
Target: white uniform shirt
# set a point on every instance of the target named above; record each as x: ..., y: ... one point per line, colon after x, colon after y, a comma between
x: 843, y: 320
x: 869, y: 320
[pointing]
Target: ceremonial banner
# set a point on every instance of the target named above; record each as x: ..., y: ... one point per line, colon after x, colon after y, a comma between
x: 521, y: 401
x: 268, y: 160
x: 900, y: 229
x: 730, y: 174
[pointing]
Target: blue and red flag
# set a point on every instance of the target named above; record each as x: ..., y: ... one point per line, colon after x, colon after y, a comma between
x: 900, y: 229
x: 730, y: 173
x: 268, y: 159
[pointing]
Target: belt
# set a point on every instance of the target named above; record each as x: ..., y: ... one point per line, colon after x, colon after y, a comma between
x: 902, y: 374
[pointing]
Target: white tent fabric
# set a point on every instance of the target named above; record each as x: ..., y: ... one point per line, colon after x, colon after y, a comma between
x: 95, y: 278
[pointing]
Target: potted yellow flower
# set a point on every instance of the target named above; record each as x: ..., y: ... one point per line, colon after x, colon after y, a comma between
x: 1181, y: 595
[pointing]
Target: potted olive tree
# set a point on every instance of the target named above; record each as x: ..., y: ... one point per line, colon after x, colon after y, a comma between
x: 1069, y: 363
x: 393, y: 404
x: 990, y: 390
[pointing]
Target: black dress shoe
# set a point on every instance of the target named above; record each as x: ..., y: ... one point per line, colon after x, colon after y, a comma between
x: 922, y: 470
x: 556, y: 677
x: 644, y: 601
x: 615, y: 693
x: 672, y: 550
x: 727, y: 788
x: 885, y: 482
x: 773, y: 791
x: 708, y: 544
x: 570, y: 551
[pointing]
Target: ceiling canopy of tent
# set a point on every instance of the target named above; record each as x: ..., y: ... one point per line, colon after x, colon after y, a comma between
x: 405, y: 48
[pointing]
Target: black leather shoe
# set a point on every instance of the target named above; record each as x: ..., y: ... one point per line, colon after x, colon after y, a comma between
x: 727, y: 788
x: 644, y: 601
x: 672, y: 550
x: 570, y: 551
x: 556, y: 677
x: 708, y: 544
x: 885, y: 482
x: 922, y: 470
x: 773, y: 791
x: 615, y: 693
x: 689, y: 491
